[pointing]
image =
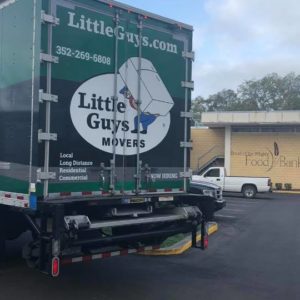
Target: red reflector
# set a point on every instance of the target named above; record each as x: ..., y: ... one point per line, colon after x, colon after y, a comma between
x: 7, y: 195
x: 20, y: 197
x: 106, y: 255
x: 124, y: 252
x: 168, y: 190
x: 205, y: 242
x: 87, y: 258
x: 66, y: 261
x: 86, y: 193
x: 55, y: 267
x: 65, y: 194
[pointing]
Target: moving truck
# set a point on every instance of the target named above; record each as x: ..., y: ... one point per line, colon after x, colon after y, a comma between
x: 94, y: 126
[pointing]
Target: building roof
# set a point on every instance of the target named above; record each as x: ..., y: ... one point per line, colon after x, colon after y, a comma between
x: 220, y: 119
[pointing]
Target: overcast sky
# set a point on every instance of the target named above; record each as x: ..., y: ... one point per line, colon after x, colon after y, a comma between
x: 236, y: 40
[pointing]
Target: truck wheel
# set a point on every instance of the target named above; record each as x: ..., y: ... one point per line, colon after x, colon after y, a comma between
x: 249, y: 191
x: 31, y: 253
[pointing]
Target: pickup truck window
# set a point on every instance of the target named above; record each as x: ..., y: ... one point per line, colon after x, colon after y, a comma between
x: 213, y: 173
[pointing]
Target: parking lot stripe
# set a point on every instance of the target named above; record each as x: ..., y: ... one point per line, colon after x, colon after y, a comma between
x: 243, y: 202
x: 226, y: 216
x: 233, y: 209
x: 245, y: 205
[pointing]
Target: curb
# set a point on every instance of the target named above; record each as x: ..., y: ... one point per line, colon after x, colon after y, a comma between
x: 182, y: 245
x: 287, y: 192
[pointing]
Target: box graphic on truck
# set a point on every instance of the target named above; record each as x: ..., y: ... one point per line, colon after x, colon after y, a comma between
x: 92, y: 108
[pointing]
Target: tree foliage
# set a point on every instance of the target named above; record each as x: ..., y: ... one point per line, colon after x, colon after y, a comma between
x: 272, y: 92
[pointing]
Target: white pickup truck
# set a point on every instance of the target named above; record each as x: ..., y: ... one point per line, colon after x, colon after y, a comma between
x: 249, y: 186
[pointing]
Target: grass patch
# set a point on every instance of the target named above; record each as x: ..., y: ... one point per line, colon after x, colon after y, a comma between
x: 173, y: 240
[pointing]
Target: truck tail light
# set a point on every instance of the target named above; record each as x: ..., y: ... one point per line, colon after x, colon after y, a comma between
x: 204, y: 235
x: 55, y: 266
x: 204, y: 242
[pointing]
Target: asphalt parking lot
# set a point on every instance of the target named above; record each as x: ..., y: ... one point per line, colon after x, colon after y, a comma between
x: 254, y: 255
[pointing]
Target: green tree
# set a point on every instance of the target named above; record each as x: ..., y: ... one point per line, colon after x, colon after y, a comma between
x: 198, y: 107
x: 222, y: 101
x: 290, y: 92
x: 272, y: 92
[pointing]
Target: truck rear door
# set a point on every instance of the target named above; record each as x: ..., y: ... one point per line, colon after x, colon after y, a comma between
x: 122, y: 81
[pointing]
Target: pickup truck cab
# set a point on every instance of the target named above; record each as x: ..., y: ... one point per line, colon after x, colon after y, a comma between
x: 249, y: 186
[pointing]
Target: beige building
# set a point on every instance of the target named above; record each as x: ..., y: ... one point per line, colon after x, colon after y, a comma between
x: 250, y: 144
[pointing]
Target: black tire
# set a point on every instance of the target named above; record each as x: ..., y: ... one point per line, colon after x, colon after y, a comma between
x: 249, y: 191
x: 12, y: 223
x: 31, y: 253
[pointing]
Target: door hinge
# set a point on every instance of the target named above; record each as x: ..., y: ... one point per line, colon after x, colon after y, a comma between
x: 49, y: 58
x: 186, y: 114
x: 46, y: 136
x: 47, y: 97
x: 189, y: 55
x: 49, y: 19
x: 45, y: 175
x: 187, y: 84
x: 186, y: 144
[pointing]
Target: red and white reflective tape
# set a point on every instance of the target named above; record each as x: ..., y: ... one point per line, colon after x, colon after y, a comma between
x: 116, y: 193
x: 67, y: 261
x: 14, y: 199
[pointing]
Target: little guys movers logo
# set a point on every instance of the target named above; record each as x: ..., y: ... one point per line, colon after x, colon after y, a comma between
x: 92, y: 109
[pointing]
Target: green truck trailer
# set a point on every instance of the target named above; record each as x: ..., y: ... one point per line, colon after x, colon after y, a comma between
x: 94, y: 126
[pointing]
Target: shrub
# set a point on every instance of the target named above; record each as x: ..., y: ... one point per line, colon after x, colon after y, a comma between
x: 288, y: 186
